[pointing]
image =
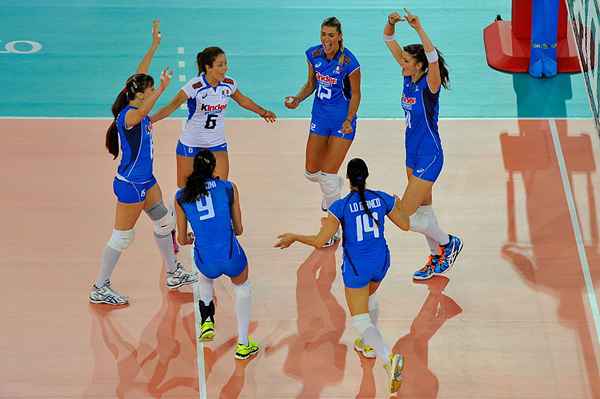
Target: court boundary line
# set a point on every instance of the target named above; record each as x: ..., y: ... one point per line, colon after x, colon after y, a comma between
x: 199, y: 346
x: 577, y: 231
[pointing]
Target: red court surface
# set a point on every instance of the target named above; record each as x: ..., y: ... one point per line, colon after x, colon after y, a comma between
x: 513, y: 320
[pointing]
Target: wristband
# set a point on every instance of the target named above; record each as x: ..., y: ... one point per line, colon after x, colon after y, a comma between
x: 432, y: 56
x: 389, y: 38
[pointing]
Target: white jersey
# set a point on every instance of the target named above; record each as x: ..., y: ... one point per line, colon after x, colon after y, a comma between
x: 205, y: 126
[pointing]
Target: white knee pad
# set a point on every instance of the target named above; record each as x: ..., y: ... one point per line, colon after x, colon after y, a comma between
x: 331, y: 187
x: 373, y: 302
x: 313, y: 177
x: 163, y: 219
x: 362, y: 322
x: 121, y: 239
x: 243, y: 290
x: 420, y: 221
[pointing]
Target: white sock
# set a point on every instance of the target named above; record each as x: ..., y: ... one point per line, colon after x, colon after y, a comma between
x: 165, y: 245
x: 205, y: 289
x: 424, y: 221
x: 373, y: 309
x: 242, y: 310
x: 110, y: 257
x: 371, y: 335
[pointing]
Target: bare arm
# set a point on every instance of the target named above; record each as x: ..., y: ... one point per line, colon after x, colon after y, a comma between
x: 392, y: 45
x: 434, y: 79
x: 147, y: 60
x: 183, y: 237
x: 168, y: 109
x: 247, y: 103
x: 355, y: 96
x: 134, y: 116
x: 292, y: 102
x: 236, y: 212
x: 329, y: 226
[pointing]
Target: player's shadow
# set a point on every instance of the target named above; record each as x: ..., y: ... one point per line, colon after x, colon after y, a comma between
x: 163, y: 360
x: 316, y: 357
x: 548, y: 260
x: 418, y: 380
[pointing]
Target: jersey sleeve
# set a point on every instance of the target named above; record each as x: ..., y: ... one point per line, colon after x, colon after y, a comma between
x: 310, y: 56
x: 427, y: 91
x: 232, y: 83
x: 179, y: 196
x: 389, y: 200
x: 189, y: 88
x: 337, y: 210
x: 351, y: 63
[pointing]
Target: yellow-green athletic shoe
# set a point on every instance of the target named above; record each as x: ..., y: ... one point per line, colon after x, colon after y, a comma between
x: 207, y: 331
x: 364, y: 349
x: 394, y: 370
x: 246, y: 351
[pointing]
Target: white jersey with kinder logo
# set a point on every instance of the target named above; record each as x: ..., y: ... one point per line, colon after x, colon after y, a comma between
x: 205, y: 126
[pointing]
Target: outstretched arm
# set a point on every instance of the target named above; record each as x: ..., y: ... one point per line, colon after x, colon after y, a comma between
x: 329, y: 226
x: 389, y: 39
x: 292, y: 102
x: 147, y: 60
x: 434, y: 79
x: 247, y: 103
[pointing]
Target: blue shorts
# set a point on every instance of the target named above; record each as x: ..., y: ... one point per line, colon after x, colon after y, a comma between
x: 359, y: 274
x: 131, y: 193
x: 426, y: 167
x: 191, y: 152
x: 215, y: 269
x: 331, y: 126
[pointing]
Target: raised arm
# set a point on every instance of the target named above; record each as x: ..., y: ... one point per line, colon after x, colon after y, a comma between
x: 389, y: 38
x: 329, y: 227
x: 147, y: 60
x: 292, y: 102
x: 134, y: 116
x: 434, y: 79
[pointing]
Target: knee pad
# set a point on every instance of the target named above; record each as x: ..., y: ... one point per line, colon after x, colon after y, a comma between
x: 373, y: 303
x: 163, y: 219
x: 243, y: 290
x: 420, y: 221
x: 121, y: 239
x: 330, y: 183
x: 313, y: 177
x: 362, y: 322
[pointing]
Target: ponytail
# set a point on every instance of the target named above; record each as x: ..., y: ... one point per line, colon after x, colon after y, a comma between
x: 357, y: 173
x: 195, y: 186
x: 137, y: 83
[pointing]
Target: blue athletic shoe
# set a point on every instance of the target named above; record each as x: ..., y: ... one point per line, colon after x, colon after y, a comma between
x: 426, y: 272
x: 449, y: 253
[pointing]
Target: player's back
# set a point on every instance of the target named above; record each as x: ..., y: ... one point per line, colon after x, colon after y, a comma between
x: 210, y: 218
x: 363, y: 234
x: 136, y: 148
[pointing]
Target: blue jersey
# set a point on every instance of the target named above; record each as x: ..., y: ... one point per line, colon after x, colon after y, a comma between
x: 333, y: 85
x: 363, y: 238
x: 421, y: 108
x: 136, y: 149
x: 210, y: 218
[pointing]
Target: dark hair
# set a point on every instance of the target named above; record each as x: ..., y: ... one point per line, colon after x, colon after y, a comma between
x: 417, y: 51
x: 357, y: 172
x: 135, y: 84
x: 333, y: 22
x: 207, y: 57
x: 195, y: 186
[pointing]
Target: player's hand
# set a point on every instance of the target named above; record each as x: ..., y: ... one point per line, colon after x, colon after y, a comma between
x: 165, y: 78
x: 185, y: 240
x: 346, y: 127
x: 412, y: 20
x: 155, y: 33
x: 291, y: 102
x: 285, y: 240
x: 269, y: 116
x: 394, y: 18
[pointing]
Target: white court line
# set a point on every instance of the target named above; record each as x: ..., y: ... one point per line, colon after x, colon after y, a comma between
x: 199, y: 346
x: 583, y: 261
x: 308, y: 118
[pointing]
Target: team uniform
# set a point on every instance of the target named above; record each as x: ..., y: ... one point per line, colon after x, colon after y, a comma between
x: 333, y: 93
x: 424, y: 154
x: 216, y: 248
x: 134, y: 174
x: 205, y: 125
x: 366, y: 254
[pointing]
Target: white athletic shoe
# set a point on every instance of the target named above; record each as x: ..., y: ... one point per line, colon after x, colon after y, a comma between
x: 180, y: 277
x: 107, y: 295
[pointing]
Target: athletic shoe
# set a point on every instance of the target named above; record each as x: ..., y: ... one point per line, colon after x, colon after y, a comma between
x: 107, y: 295
x: 394, y: 369
x: 207, y: 331
x: 245, y: 351
x: 449, y: 253
x: 364, y: 349
x: 426, y: 272
x: 180, y: 277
